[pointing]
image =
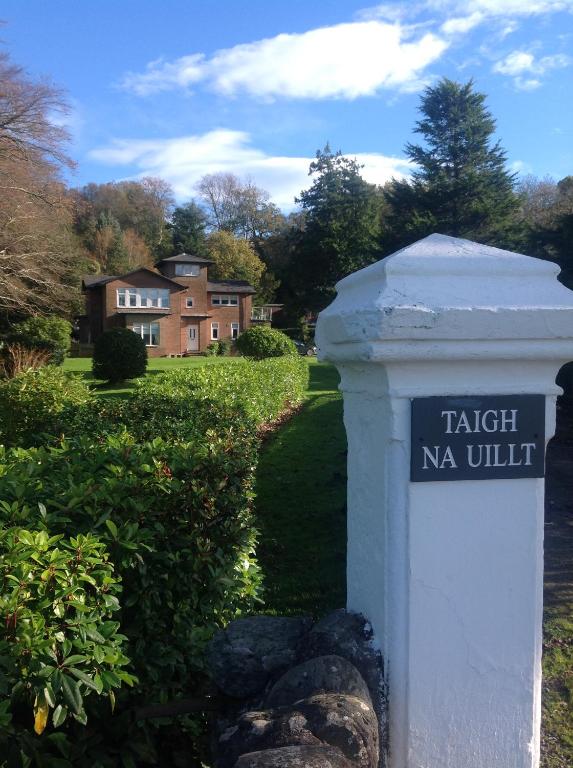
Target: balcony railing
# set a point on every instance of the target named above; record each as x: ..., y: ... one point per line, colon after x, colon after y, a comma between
x: 262, y: 314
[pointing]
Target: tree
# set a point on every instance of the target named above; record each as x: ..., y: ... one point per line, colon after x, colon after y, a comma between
x: 238, y: 206
x: 142, y: 206
x: 461, y: 186
x: 234, y: 259
x: 38, y: 250
x: 188, y: 224
x: 340, y: 231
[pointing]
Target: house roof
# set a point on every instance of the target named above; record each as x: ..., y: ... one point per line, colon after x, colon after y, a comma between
x: 94, y: 281
x: 230, y: 286
x: 91, y: 281
x: 187, y: 258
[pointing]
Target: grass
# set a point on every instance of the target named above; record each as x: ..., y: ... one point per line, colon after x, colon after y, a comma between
x: 301, y: 504
x: 82, y: 366
x: 557, y: 728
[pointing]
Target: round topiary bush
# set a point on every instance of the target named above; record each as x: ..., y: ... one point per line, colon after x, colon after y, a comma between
x: 263, y: 341
x: 119, y: 354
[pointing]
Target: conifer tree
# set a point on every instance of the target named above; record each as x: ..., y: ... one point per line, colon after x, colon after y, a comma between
x: 461, y: 185
x: 341, y: 227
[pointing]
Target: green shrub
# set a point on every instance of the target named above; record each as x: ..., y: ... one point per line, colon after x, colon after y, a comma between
x: 32, y: 403
x: 184, y: 404
x: 176, y: 520
x: 119, y: 354
x: 212, y: 349
x: 262, y: 341
x: 59, y: 643
x: 225, y: 347
x: 52, y: 334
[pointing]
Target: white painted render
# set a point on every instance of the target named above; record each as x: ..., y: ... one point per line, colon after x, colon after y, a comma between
x: 450, y: 574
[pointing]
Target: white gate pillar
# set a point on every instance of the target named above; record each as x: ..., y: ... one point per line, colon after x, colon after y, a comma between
x: 450, y: 574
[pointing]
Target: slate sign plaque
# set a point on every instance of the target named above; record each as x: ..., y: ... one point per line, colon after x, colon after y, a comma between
x: 477, y: 438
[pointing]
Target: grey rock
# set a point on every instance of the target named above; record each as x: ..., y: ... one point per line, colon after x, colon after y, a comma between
x: 344, y: 722
x: 323, y: 674
x: 245, y: 655
x: 347, y: 634
x: 295, y: 757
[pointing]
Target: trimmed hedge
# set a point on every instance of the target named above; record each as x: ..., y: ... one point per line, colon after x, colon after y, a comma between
x: 171, y: 504
x: 33, y: 402
x: 186, y: 403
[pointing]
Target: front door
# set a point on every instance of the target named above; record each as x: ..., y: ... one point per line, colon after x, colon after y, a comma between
x: 193, y: 339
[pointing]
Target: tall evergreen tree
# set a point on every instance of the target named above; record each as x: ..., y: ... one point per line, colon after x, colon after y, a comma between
x: 188, y: 223
x: 340, y: 232
x: 461, y: 186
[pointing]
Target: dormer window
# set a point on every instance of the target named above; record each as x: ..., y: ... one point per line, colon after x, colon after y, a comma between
x: 187, y: 270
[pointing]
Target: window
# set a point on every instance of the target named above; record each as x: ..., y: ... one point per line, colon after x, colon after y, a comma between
x: 234, y: 330
x: 189, y: 302
x: 214, y: 331
x: 143, y: 297
x: 226, y: 300
x: 187, y: 270
x: 149, y: 332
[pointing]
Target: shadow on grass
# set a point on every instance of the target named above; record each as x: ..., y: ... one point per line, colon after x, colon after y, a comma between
x: 301, y: 506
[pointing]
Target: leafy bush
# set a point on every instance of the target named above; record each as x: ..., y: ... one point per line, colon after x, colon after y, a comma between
x: 184, y: 404
x: 262, y: 341
x: 175, y: 519
x: 221, y: 347
x: 32, y: 402
x: 58, y: 641
x: 52, y: 334
x: 119, y: 354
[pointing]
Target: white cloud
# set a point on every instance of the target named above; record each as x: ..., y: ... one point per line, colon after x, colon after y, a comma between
x: 526, y: 70
x: 459, y: 25
x: 183, y: 161
x: 341, y: 61
x: 497, y: 8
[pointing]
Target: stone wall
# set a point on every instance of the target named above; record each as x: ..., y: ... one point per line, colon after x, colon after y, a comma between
x: 299, y: 694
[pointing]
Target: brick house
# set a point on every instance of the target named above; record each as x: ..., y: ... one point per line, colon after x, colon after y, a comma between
x: 175, y: 308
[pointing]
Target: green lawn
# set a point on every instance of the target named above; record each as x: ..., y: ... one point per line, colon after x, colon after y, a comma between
x: 301, y: 504
x: 82, y: 366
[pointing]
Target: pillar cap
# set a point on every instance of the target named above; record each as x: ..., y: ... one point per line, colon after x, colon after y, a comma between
x: 446, y: 289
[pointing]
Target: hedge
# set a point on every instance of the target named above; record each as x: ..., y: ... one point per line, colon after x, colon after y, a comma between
x: 176, y: 521
x: 164, y: 482
x: 186, y: 403
x: 32, y: 404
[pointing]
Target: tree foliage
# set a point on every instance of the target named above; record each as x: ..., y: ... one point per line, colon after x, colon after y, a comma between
x: 233, y: 259
x: 340, y: 232
x: 460, y: 185
x: 188, y: 225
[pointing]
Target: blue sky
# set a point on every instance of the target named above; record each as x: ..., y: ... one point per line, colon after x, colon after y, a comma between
x: 179, y: 89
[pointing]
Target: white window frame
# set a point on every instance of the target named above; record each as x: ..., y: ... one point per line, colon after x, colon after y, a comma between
x: 157, y: 298
x: 225, y: 300
x: 235, y: 330
x: 189, y: 302
x: 214, y: 331
x: 146, y: 331
x: 187, y: 270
